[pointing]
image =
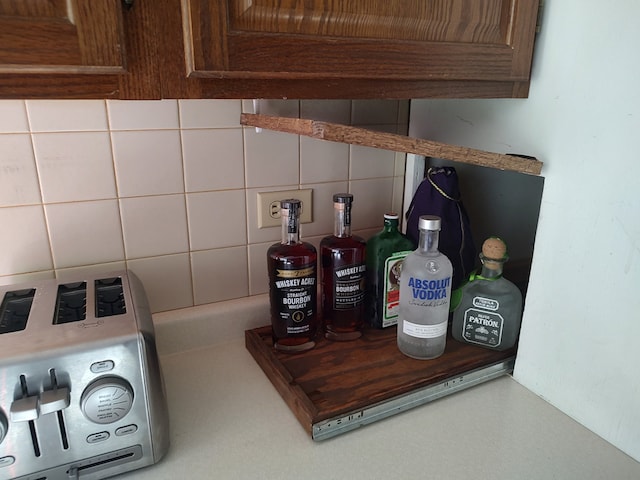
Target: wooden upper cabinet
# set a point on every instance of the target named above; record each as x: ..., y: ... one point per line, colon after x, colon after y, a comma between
x: 351, y: 49
x: 57, y: 36
x: 77, y: 49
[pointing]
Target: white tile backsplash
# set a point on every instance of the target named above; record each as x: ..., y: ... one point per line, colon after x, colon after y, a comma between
x: 272, y: 158
x: 209, y: 113
x: 322, y: 161
x: 143, y: 114
x: 112, y: 176
x: 24, y: 242
x: 213, y: 159
x: 84, y: 233
x: 154, y: 225
x: 167, y: 280
x: 19, y: 178
x: 372, y: 198
x: 333, y: 111
x: 148, y: 162
x: 74, y: 166
x: 217, y: 219
x: 368, y: 162
x: 67, y: 115
x: 219, y: 274
x: 13, y: 116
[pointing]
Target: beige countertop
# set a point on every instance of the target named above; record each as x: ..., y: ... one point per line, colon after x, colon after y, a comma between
x: 228, y: 421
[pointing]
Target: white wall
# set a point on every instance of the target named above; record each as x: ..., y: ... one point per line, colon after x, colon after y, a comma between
x: 579, y: 344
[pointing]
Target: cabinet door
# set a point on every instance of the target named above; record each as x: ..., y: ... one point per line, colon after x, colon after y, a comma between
x: 437, y: 47
x: 75, y: 48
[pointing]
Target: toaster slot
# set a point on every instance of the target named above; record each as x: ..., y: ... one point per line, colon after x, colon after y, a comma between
x: 109, y: 297
x: 71, y: 303
x: 14, y: 310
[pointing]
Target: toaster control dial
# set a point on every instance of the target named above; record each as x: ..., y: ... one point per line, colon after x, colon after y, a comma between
x: 3, y: 426
x: 107, y: 400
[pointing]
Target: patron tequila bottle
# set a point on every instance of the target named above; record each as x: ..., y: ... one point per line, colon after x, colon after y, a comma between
x: 490, y: 309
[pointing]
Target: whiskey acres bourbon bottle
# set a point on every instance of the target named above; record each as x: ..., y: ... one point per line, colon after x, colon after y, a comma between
x: 292, y: 266
x: 343, y: 275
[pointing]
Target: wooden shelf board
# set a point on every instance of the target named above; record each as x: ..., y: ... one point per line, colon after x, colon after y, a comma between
x: 388, y: 141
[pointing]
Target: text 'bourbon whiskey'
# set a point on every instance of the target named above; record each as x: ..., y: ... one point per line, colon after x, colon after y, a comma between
x: 343, y: 275
x: 292, y: 266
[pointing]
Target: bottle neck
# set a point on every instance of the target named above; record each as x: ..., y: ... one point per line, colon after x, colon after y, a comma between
x: 391, y: 225
x: 341, y: 220
x: 290, y: 227
x: 491, y: 269
x: 428, y: 242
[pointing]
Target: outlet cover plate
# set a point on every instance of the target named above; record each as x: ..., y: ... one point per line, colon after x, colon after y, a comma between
x: 269, y: 206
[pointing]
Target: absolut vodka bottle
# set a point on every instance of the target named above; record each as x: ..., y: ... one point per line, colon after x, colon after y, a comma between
x: 425, y: 290
x: 490, y: 308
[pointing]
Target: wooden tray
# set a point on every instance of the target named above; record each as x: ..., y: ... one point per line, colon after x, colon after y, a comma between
x: 335, y: 379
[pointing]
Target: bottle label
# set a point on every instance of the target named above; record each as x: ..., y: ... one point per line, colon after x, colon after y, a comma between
x: 392, y: 268
x: 429, y: 293
x: 349, y: 286
x: 481, y: 326
x: 295, y: 292
x: 424, y: 331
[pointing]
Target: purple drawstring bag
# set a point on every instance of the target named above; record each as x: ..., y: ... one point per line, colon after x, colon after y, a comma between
x: 439, y: 194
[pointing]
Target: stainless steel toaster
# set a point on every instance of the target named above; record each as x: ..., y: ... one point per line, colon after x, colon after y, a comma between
x: 81, y: 390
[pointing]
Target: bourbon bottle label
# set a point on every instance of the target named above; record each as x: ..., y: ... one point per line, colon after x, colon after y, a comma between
x: 349, y: 286
x: 295, y: 293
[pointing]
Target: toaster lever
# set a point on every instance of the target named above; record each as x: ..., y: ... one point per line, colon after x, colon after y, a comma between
x: 54, y: 400
x: 25, y: 409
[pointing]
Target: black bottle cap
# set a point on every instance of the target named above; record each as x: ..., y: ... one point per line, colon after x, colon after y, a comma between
x: 343, y: 198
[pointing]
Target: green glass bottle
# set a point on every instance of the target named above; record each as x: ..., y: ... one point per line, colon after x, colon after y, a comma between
x: 385, y: 252
x: 490, y: 309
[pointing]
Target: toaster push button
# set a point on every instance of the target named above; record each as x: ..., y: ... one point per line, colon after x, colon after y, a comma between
x: 6, y: 461
x: 98, y: 437
x: 103, y: 366
x: 126, y: 430
x: 25, y: 409
x: 54, y: 400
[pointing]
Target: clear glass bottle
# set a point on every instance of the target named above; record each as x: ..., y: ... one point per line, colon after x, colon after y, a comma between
x: 343, y: 275
x: 385, y: 252
x: 490, y: 309
x: 425, y: 291
x: 292, y: 267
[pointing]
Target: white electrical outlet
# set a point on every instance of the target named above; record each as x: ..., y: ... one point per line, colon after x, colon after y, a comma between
x: 269, y: 206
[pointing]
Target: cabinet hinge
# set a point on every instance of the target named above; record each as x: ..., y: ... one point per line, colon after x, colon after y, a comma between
x: 539, y: 19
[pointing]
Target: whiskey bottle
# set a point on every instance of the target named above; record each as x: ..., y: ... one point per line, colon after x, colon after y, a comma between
x: 343, y: 275
x: 292, y: 266
x: 385, y: 252
x: 490, y: 310
x: 425, y: 290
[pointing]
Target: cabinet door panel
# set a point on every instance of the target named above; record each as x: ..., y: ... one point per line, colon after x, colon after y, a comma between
x: 78, y: 49
x: 487, y: 40
x: 61, y: 36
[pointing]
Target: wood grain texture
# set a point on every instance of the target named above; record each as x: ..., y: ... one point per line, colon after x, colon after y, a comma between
x: 336, y: 378
x: 427, y: 20
x: 289, y: 50
x: 129, y: 43
x: 389, y: 141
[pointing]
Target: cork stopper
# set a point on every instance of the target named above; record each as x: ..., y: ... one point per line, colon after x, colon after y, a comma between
x: 494, y: 253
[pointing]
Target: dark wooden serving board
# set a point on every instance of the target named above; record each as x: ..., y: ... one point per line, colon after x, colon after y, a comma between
x: 336, y: 378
